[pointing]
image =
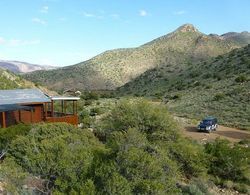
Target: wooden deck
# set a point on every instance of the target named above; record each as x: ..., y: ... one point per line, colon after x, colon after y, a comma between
x: 71, y: 119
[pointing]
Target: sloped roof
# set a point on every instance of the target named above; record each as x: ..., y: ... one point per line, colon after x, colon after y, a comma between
x: 13, y: 107
x: 22, y: 96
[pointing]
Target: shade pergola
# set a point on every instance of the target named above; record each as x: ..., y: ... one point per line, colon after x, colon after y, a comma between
x: 63, y: 101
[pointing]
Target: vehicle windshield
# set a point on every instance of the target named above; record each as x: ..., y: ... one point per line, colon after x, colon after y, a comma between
x: 207, y: 122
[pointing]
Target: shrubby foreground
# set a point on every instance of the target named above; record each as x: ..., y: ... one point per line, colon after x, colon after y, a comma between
x: 135, y: 149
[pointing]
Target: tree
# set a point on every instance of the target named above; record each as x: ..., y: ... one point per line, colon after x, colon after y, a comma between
x: 59, y: 153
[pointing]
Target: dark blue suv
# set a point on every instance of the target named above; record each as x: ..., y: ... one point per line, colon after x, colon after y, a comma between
x: 208, y: 124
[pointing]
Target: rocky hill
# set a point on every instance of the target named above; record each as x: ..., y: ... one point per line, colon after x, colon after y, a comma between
x: 115, y: 68
x: 22, y: 67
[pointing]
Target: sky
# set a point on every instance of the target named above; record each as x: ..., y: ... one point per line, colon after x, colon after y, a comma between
x: 66, y: 32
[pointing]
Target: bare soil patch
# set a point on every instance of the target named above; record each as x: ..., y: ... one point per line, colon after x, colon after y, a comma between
x: 231, y: 134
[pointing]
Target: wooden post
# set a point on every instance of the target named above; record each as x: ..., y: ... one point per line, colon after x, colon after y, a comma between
x: 3, y: 118
x: 52, y: 108
x: 74, y: 110
x: 20, y: 117
x: 76, y: 107
x: 62, y: 102
x: 65, y: 107
x: 31, y: 116
x: 45, y: 111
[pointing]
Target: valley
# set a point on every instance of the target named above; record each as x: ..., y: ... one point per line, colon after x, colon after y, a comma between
x: 138, y: 109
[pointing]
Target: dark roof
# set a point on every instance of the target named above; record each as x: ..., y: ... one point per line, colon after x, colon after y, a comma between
x: 14, y: 107
x: 22, y: 96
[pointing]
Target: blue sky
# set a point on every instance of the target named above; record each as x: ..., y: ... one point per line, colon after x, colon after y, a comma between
x: 65, y: 32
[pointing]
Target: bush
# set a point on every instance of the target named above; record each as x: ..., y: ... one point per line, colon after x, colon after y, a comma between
x: 13, y: 176
x: 196, y: 187
x: 175, y: 97
x: 241, y: 79
x: 190, y: 158
x: 154, y: 120
x: 90, y: 96
x: 146, y: 167
x: 96, y: 111
x: 219, y: 96
x: 59, y: 153
x: 88, y: 102
x: 11, y: 133
x: 227, y: 162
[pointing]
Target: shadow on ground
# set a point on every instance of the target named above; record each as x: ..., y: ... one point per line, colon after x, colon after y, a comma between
x: 233, y: 134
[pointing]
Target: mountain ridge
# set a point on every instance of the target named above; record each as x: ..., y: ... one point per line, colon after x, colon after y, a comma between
x: 114, y: 68
x: 22, y: 67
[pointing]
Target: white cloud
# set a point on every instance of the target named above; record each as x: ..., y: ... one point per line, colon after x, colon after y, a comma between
x: 44, y: 9
x: 63, y: 19
x: 89, y: 15
x: 115, y: 16
x: 2, y: 41
x: 18, y: 42
x: 143, y: 13
x: 92, y: 15
x: 181, y: 12
x: 39, y: 21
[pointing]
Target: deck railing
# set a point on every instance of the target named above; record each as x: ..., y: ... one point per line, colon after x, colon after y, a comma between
x: 72, y: 119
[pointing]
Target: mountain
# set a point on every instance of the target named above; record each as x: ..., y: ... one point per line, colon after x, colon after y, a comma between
x: 115, y: 68
x: 219, y: 86
x: 9, y: 80
x: 243, y: 37
x: 22, y: 67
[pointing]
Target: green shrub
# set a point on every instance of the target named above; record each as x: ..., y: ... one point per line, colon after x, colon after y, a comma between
x: 190, y: 157
x: 88, y: 102
x: 11, y: 133
x: 219, y: 96
x: 196, y: 187
x: 241, y: 79
x: 227, y: 162
x: 90, y: 96
x: 175, y: 97
x: 242, y: 188
x: 13, y: 176
x: 146, y: 167
x: 139, y: 114
x: 59, y: 153
x: 96, y: 111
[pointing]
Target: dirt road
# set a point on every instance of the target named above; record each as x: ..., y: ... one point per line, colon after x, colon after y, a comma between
x: 232, y: 134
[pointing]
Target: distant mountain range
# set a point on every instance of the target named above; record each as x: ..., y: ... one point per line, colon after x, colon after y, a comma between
x: 22, y: 67
x: 114, y: 68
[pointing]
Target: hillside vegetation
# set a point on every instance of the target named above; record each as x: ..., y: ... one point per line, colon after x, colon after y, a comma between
x: 114, y: 68
x: 136, y: 148
x: 10, y: 80
x: 218, y: 86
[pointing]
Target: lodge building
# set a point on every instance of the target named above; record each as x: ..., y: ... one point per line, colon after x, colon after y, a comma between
x: 33, y: 106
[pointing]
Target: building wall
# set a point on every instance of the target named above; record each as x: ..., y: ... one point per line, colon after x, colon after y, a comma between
x: 1, y: 121
x: 23, y: 116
